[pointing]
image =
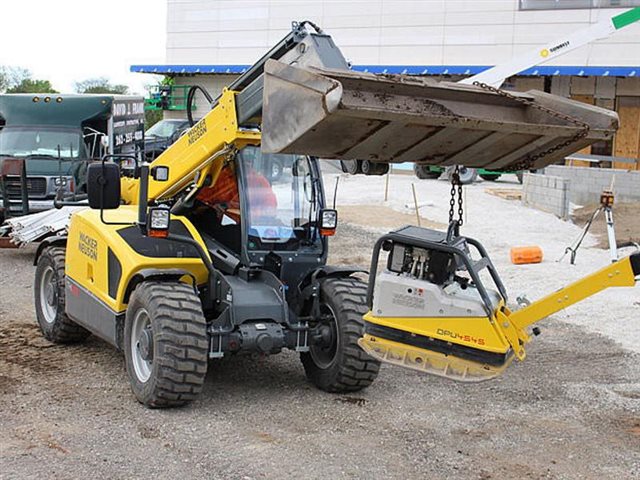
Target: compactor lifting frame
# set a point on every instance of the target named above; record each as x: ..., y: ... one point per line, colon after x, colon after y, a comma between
x: 171, y: 277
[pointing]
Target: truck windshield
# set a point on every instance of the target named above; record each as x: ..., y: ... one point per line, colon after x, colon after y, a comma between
x: 30, y: 141
x: 163, y: 129
x: 281, y: 209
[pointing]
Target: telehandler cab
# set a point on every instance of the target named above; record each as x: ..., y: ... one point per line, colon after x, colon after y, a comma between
x: 197, y: 255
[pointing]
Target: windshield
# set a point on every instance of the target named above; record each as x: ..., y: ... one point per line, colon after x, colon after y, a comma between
x: 163, y: 129
x: 41, y: 141
x: 282, y: 196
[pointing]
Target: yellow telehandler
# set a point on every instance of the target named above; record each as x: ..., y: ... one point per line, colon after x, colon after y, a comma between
x: 201, y: 254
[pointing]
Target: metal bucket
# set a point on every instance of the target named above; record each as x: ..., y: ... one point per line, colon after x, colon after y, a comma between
x: 351, y: 115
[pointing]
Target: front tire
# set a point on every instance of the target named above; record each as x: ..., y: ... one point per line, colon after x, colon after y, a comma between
x: 342, y: 366
x: 49, y: 296
x: 165, y: 344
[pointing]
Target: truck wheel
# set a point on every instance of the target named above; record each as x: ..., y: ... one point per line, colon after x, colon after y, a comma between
x: 49, y: 299
x: 423, y: 172
x: 467, y: 175
x: 489, y: 178
x: 165, y: 344
x: 373, y: 168
x: 352, y: 167
x: 277, y: 169
x: 341, y: 365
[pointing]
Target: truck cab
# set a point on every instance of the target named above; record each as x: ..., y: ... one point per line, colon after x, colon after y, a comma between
x: 47, y: 141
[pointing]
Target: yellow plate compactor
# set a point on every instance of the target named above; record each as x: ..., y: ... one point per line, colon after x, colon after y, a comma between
x: 430, y: 309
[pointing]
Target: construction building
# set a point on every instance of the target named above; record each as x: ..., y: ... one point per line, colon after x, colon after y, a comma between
x: 210, y: 43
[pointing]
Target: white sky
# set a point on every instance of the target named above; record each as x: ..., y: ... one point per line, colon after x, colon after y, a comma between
x: 65, y: 41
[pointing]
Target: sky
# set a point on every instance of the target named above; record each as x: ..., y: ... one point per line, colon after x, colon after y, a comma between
x: 65, y: 41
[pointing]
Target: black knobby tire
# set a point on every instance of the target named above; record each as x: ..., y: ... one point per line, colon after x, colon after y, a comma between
x: 178, y: 366
x: 489, y: 178
x: 49, y: 297
x: 350, y: 369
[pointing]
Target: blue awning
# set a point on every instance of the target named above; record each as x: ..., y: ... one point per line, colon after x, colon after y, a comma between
x: 545, y: 70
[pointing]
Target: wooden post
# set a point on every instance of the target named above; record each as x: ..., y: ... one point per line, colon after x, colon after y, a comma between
x: 386, y: 186
x: 415, y: 202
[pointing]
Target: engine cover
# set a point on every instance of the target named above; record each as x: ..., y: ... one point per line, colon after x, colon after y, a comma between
x: 400, y: 295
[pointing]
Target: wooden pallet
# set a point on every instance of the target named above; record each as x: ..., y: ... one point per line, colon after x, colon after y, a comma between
x: 506, y: 193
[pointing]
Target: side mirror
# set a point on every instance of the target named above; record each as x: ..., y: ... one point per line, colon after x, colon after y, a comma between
x: 103, y: 185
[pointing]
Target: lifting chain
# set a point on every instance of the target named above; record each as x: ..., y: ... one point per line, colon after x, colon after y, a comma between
x: 456, y: 188
x: 530, y: 161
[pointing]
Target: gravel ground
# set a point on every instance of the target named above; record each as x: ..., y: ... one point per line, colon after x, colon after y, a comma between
x: 571, y: 410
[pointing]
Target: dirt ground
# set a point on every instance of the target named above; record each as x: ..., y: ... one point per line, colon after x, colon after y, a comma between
x: 571, y: 410
x: 626, y: 220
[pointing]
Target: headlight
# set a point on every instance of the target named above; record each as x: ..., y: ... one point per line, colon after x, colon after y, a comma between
x: 66, y: 183
x: 328, y: 221
x: 158, y: 222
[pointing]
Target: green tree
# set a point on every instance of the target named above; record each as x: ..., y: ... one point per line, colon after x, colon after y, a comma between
x: 29, y: 85
x: 100, y: 85
x: 11, y: 77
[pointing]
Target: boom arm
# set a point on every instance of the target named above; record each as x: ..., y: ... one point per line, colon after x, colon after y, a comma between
x: 497, y: 75
x: 235, y: 118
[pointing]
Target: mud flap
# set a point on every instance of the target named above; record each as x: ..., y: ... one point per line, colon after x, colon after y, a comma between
x: 348, y: 115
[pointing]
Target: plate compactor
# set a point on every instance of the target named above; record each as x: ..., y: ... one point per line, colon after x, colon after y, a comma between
x: 430, y: 309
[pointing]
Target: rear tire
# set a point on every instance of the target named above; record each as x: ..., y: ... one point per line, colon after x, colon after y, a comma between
x: 165, y: 344
x: 49, y: 296
x: 343, y: 366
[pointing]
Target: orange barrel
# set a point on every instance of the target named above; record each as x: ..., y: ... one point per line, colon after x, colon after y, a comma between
x: 521, y: 255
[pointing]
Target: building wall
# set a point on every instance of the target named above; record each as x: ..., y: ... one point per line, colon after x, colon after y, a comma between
x: 390, y: 32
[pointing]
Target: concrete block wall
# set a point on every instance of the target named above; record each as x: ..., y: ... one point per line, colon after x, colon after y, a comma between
x: 586, y: 184
x: 547, y: 193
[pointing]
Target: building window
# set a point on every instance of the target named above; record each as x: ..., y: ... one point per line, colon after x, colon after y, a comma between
x: 572, y: 4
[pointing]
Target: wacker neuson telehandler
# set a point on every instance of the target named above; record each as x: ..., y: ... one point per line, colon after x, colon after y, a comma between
x: 200, y: 255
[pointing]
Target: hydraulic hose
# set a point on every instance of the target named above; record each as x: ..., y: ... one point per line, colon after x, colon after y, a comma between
x: 190, y: 96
